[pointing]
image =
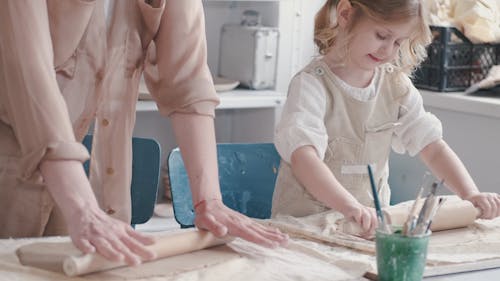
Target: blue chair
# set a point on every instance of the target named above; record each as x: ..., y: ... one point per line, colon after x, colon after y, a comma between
x: 247, y: 174
x: 145, y: 176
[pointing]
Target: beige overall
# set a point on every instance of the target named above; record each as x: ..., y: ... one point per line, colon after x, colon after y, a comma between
x: 359, y: 133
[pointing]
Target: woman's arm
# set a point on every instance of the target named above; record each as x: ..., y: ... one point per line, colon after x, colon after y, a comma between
x: 185, y: 92
x: 195, y: 135
x: 37, y: 112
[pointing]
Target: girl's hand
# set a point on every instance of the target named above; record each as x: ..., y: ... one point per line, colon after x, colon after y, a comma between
x: 95, y: 231
x: 215, y: 217
x: 488, y: 203
x: 366, y: 217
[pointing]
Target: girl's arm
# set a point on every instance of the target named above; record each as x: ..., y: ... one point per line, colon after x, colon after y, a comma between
x: 445, y: 164
x: 317, y: 178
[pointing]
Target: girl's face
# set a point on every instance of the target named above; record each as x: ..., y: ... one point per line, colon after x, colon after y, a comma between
x: 374, y: 43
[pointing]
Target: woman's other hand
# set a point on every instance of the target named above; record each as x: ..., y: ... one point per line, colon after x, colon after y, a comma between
x: 215, y: 217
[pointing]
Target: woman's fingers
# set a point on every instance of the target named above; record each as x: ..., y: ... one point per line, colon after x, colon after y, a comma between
x: 95, y: 231
x: 104, y: 247
x: 84, y: 246
x: 144, y: 239
x: 135, y: 251
x: 221, y: 220
x: 208, y: 222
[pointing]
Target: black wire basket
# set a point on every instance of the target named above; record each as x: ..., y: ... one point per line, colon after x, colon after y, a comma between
x: 453, y: 62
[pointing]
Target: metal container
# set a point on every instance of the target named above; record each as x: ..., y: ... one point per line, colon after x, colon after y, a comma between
x: 248, y: 53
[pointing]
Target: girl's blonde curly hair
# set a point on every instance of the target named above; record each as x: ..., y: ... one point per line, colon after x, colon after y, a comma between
x: 411, y: 52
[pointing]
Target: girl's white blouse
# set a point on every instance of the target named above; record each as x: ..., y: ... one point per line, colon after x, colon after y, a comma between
x: 302, y: 120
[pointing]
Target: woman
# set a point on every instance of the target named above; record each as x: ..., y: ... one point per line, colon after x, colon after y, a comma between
x: 65, y: 64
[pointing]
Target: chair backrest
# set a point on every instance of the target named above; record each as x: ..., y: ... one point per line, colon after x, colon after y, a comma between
x: 145, y: 176
x: 247, y: 174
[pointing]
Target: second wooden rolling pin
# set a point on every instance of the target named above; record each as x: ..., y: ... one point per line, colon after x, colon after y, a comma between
x: 65, y: 258
x: 454, y: 213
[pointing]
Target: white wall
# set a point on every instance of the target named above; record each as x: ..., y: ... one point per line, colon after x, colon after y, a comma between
x: 476, y: 140
x: 294, y: 18
x: 309, y: 9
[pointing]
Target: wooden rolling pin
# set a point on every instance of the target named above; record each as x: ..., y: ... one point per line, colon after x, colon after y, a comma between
x: 454, y: 213
x: 65, y: 258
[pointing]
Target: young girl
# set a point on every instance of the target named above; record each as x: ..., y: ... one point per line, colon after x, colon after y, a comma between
x: 346, y: 109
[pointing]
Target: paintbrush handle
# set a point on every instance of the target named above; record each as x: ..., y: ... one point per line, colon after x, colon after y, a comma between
x: 375, y: 194
x: 380, y: 215
x: 412, y: 215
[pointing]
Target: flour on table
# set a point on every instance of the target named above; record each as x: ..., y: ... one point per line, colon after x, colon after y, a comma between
x: 238, y: 260
x: 476, y: 242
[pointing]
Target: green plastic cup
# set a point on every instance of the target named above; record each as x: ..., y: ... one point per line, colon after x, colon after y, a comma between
x: 400, y: 258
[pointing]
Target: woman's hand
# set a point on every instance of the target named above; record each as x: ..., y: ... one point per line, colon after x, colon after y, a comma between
x: 95, y: 231
x: 488, y: 203
x: 90, y: 228
x: 215, y: 217
x: 195, y: 135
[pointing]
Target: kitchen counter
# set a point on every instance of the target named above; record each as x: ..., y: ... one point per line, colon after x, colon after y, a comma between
x: 458, y: 101
x: 235, y: 99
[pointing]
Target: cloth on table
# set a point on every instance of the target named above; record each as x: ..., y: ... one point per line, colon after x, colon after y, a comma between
x: 479, y: 241
x: 238, y: 260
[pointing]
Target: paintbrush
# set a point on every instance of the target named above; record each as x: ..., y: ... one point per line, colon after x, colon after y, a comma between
x: 412, y: 215
x: 380, y: 215
x: 433, y: 213
x: 425, y: 212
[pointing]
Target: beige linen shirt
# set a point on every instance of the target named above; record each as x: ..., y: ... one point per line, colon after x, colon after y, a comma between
x: 62, y: 69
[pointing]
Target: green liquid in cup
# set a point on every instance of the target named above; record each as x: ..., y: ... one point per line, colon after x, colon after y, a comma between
x: 400, y: 258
